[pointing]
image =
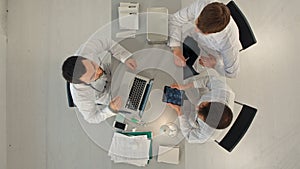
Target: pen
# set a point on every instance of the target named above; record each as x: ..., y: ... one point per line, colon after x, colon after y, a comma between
x: 124, y: 112
x: 134, y: 120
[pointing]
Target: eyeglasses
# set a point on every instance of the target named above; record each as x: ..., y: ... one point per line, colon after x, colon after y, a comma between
x: 98, y: 72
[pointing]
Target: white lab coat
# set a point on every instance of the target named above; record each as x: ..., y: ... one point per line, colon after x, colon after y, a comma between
x: 223, y: 45
x: 93, y: 102
x: 197, y: 131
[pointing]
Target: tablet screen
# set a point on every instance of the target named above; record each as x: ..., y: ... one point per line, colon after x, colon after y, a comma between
x: 173, y: 96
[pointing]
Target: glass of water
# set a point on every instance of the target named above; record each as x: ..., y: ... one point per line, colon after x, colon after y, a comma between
x: 169, y: 129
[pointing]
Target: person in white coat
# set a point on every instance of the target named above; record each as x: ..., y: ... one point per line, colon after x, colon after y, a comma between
x: 215, y: 33
x: 213, y: 110
x: 89, y: 74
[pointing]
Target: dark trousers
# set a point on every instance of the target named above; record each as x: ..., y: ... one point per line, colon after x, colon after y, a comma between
x: 191, y: 51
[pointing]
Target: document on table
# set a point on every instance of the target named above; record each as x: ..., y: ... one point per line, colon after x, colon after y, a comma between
x: 129, y: 16
x: 130, y: 149
x: 168, y: 154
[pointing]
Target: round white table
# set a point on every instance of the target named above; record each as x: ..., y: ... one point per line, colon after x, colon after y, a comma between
x: 156, y: 63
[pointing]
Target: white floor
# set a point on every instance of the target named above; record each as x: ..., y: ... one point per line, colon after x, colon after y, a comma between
x: 43, y: 133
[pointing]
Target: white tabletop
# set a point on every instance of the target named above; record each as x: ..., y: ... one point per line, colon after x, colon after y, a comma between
x: 152, y: 60
x: 156, y: 63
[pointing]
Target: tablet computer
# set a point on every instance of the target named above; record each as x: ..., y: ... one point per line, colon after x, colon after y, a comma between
x: 173, y: 96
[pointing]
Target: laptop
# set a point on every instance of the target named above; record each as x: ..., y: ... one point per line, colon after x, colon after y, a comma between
x: 134, y: 91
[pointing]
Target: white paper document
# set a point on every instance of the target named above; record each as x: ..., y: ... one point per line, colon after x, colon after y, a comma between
x: 126, y: 34
x: 128, y: 16
x: 130, y: 149
x: 168, y: 154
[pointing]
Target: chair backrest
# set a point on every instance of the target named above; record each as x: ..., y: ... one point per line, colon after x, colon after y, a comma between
x: 69, y: 96
x: 239, y: 128
x: 247, y: 37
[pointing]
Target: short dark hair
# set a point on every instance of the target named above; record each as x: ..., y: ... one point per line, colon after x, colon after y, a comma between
x: 213, y: 18
x: 73, y: 69
x: 216, y: 115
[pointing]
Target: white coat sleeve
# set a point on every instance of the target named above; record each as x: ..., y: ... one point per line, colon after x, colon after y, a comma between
x: 200, y: 82
x: 192, y: 135
x: 206, y: 78
x: 230, y: 55
x: 181, y: 17
x: 230, y: 49
x: 177, y: 20
x: 84, y: 99
x: 231, y: 62
x: 96, y: 46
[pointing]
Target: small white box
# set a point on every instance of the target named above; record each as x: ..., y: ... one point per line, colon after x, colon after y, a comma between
x: 157, y: 25
x: 168, y: 154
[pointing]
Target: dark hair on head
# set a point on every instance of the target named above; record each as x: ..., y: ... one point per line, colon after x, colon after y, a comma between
x: 213, y: 18
x: 216, y: 115
x: 73, y: 69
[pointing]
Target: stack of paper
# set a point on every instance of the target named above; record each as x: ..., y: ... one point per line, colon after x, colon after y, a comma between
x: 128, y: 15
x: 168, y: 154
x: 130, y: 149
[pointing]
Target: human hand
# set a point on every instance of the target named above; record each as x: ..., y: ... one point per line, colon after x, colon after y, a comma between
x: 116, y: 103
x: 176, y: 108
x: 176, y: 86
x: 179, y: 59
x: 131, y: 63
x: 182, y: 87
x: 209, y: 61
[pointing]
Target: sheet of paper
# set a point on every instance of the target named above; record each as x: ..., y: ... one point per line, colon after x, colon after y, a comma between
x: 168, y: 155
x: 130, y: 149
x: 128, y: 16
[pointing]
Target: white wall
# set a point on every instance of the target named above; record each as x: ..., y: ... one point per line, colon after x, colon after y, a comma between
x: 3, y: 52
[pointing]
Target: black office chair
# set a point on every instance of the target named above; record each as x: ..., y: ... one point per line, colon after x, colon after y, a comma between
x: 247, y: 37
x: 69, y: 96
x: 239, y: 128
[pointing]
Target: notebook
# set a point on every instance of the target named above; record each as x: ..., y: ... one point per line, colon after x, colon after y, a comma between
x: 157, y: 25
x: 134, y: 91
x: 168, y: 155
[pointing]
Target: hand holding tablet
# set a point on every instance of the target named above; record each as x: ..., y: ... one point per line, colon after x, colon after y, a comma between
x: 173, y: 96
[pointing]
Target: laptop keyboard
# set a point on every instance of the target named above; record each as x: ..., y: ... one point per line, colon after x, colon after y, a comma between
x: 135, y: 94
